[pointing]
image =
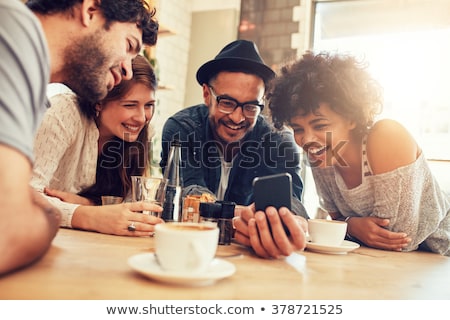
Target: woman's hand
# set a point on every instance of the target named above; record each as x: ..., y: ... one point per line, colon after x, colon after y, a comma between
x: 373, y: 233
x: 68, y: 197
x: 116, y: 218
x: 252, y: 229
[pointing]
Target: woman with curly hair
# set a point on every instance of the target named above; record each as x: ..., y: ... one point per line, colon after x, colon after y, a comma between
x: 369, y: 173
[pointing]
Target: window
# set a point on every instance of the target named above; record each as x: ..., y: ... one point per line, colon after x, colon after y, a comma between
x: 407, y: 45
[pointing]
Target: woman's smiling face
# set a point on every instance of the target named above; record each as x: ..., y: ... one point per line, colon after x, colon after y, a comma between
x: 323, y: 135
x: 126, y: 117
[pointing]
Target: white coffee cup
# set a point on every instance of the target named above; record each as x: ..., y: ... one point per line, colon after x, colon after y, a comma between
x: 186, y: 247
x: 327, y: 232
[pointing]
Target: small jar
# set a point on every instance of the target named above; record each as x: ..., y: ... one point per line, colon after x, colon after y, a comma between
x: 209, y: 212
x: 224, y: 222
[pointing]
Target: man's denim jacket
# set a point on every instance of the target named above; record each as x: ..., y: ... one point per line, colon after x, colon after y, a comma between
x: 264, y: 151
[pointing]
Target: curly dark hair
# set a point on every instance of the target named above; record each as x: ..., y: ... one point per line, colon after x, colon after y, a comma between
x: 137, y: 11
x: 336, y: 79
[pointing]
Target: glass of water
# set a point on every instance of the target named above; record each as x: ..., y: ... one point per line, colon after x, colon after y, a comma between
x: 146, y: 189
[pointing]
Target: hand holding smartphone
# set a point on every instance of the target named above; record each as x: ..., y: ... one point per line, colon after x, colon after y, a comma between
x: 273, y: 190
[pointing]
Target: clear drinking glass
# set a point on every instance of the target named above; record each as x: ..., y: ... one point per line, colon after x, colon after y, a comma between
x: 111, y: 200
x: 146, y: 189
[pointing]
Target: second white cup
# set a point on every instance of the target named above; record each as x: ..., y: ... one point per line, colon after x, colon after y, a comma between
x: 327, y: 232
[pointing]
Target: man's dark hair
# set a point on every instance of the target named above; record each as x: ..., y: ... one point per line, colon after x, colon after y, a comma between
x: 137, y: 11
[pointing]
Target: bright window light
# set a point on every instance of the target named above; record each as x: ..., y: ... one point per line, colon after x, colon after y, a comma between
x: 406, y: 43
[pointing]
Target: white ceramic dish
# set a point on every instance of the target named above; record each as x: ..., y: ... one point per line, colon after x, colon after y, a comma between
x: 146, y: 264
x: 346, y: 246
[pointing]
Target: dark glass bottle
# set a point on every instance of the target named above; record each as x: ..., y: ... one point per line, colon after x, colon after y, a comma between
x: 172, y: 185
x: 224, y: 222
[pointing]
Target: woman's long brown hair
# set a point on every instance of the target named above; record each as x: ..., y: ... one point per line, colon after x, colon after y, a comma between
x: 119, y: 159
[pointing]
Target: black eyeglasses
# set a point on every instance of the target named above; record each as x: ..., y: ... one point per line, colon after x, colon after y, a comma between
x: 227, y: 105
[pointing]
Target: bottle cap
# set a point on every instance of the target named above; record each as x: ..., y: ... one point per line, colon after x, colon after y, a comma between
x: 175, y: 142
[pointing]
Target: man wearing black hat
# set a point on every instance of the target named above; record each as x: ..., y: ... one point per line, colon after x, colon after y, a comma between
x: 226, y: 143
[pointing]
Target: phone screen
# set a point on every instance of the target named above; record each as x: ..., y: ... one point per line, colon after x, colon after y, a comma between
x: 273, y: 190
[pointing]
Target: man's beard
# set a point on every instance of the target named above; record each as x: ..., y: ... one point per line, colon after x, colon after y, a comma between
x: 85, y: 69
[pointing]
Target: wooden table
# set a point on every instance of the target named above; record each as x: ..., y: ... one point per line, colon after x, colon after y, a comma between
x: 87, y: 265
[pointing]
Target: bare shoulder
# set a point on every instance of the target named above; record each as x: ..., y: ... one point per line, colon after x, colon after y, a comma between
x: 390, y: 146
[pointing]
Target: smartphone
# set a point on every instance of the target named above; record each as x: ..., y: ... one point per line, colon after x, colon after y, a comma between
x: 273, y: 190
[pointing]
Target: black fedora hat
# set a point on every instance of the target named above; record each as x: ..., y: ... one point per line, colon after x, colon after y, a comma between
x: 239, y: 55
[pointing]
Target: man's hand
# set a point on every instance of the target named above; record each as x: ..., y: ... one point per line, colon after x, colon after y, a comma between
x: 252, y: 229
x: 53, y: 215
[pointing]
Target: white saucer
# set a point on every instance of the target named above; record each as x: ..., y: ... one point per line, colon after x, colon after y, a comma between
x: 146, y: 264
x: 342, y: 249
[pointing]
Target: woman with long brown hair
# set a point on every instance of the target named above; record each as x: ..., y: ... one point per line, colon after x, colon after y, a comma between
x: 85, y: 150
